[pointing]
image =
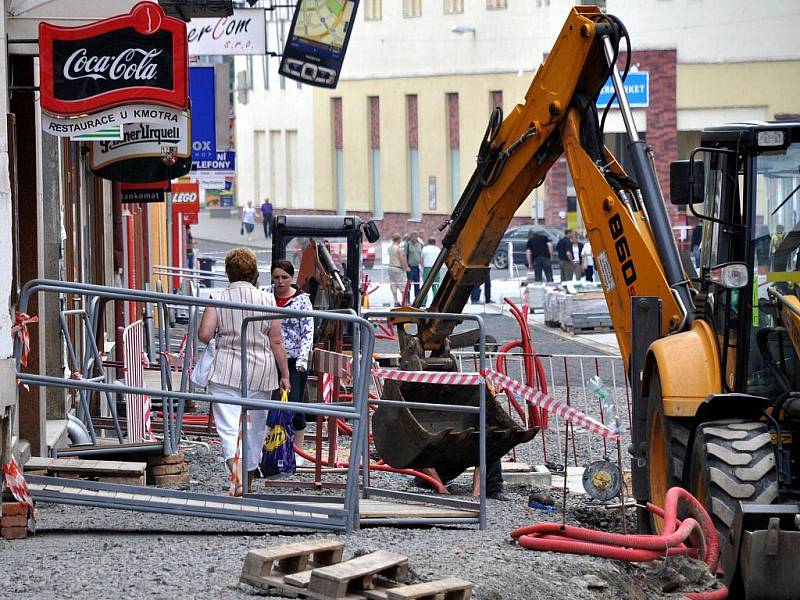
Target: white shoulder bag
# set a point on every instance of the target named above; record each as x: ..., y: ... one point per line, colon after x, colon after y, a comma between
x: 202, y: 370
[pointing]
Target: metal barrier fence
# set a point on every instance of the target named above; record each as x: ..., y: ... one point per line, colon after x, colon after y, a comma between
x: 565, y: 378
x: 480, y: 366
x: 282, y: 510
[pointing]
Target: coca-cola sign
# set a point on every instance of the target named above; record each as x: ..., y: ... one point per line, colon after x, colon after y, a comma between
x: 135, y: 58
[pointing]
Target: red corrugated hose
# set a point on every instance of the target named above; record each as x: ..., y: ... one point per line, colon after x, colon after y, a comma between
x: 698, y: 529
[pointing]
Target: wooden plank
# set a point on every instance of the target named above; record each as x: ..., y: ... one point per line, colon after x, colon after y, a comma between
x: 334, y: 581
x: 69, y: 465
x: 299, y: 579
x: 452, y: 588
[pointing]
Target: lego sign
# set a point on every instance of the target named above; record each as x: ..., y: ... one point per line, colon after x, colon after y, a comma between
x: 136, y: 58
x: 185, y: 198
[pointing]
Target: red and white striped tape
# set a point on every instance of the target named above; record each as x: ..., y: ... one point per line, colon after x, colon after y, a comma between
x: 15, y: 481
x: 550, y: 404
x: 334, y: 363
x: 327, y: 387
x: 438, y: 377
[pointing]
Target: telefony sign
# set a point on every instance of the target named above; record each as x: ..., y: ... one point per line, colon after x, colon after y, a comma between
x: 242, y: 33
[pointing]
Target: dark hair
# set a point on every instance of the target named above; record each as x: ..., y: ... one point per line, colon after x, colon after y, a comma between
x: 284, y: 265
x: 241, y: 265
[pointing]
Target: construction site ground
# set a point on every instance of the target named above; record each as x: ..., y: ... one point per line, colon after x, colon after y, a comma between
x: 101, y: 553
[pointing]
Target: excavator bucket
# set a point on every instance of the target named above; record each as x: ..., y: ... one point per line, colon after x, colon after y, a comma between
x: 446, y: 441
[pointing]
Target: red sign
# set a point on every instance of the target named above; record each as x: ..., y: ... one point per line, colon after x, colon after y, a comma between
x: 185, y: 198
x: 141, y: 57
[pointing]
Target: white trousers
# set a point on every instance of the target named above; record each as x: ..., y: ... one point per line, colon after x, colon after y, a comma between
x: 227, y: 418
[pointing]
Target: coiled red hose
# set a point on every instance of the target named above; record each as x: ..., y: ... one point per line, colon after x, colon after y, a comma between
x: 697, y: 528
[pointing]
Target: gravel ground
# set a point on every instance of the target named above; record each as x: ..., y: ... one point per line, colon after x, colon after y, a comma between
x: 99, y: 553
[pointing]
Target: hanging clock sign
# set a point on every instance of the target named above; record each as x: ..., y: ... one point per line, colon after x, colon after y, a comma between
x: 137, y: 58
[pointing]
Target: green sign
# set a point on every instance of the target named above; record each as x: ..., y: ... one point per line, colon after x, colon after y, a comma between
x: 110, y: 134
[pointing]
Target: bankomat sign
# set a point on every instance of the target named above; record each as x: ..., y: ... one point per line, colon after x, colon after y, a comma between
x: 136, y: 58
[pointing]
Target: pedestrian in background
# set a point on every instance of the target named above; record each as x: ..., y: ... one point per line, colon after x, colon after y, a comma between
x: 266, y: 217
x: 413, y: 259
x: 248, y: 220
x: 475, y: 295
x: 575, y: 253
x: 189, y: 242
x: 298, y: 340
x: 538, y: 249
x: 397, y: 269
x: 587, y: 261
x: 430, y: 252
x: 265, y: 351
x: 564, y: 250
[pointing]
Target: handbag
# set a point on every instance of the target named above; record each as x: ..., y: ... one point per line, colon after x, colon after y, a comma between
x: 202, y: 370
x: 241, y: 230
x: 277, y: 455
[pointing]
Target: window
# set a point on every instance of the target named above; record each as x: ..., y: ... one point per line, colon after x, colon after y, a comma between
x: 373, y: 10
x: 495, y: 99
x: 374, y: 118
x: 412, y: 130
x: 412, y: 8
x: 453, y: 7
x: 496, y: 4
x: 338, y: 154
x: 454, y: 144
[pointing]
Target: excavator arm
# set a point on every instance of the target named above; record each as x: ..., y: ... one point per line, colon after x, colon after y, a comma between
x: 635, y: 251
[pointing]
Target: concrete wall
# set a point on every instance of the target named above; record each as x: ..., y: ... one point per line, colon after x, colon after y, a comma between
x: 8, y: 430
x: 713, y: 31
x: 474, y: 92
x: 278, y: 114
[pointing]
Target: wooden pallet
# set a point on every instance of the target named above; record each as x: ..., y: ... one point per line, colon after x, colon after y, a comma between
x: 315, y: 570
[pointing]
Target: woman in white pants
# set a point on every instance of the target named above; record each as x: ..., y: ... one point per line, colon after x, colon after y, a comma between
x: 264, y: 350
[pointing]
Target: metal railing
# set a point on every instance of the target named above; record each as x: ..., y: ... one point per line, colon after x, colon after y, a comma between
x: 277, y: 510
x: 480, y: 410
x: 565, y: 378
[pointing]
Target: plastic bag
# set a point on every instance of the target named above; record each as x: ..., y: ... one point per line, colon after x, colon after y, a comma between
x: 277, y: 455
x: 202, y: 370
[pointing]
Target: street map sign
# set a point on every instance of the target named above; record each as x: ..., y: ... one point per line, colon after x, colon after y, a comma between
x: 317, y: 41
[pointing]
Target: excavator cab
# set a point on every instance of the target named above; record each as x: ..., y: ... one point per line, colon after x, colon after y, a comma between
x: 743, y: 448
x: 328, y: 254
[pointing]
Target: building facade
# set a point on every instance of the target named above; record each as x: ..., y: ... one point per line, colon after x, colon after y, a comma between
x: 397, y: 139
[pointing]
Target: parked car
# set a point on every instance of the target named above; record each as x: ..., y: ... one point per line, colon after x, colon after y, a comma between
x: 518, y: 236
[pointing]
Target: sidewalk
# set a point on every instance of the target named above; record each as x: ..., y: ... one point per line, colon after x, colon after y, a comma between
x: 227, y: 231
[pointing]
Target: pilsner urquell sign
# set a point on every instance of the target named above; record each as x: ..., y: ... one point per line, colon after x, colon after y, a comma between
x: 136, y: 58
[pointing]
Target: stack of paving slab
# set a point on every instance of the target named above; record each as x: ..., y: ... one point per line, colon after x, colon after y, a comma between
x: 576, y: 307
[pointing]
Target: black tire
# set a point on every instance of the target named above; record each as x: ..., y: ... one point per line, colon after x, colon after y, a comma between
x: 500, y: 260
x: 732, y: 460
x: 670, y: 453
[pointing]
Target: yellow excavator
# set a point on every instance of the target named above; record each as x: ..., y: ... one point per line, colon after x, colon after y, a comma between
x: 712, y: 354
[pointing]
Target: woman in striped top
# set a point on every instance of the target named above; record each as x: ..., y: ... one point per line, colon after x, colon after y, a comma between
x: 264, y: 349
